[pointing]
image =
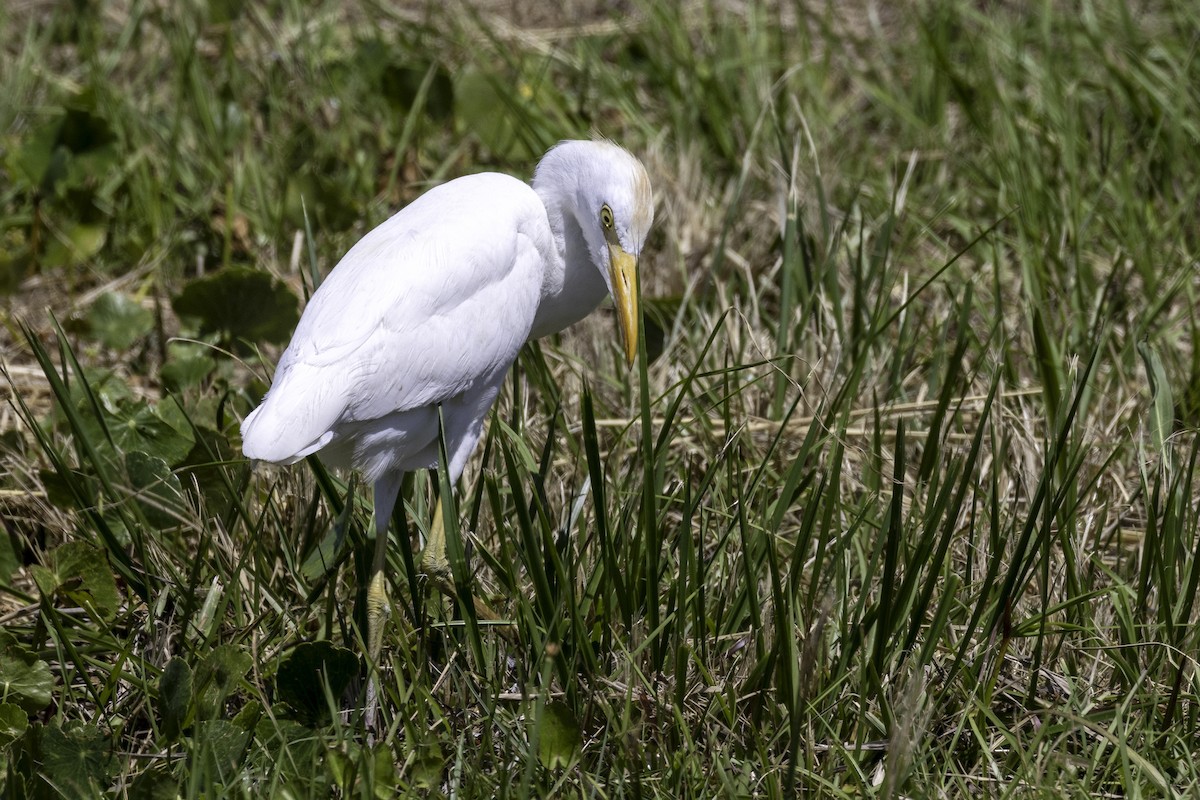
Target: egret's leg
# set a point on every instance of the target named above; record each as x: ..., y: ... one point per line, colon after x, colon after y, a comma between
x: 464, y: 424
x: 379, y: 607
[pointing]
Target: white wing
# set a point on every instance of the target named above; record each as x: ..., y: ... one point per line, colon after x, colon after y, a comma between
x: 424, y: 308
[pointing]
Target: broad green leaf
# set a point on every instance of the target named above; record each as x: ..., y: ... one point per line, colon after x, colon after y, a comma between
x: 159, y: 430
x: 325, y: 555
x: 361, y: 766
x: 341, y: 767
x: 29, y: 162
x: 249, y: 715
x: 108, y: 386
x: 291, y: 749
x: 174, y: 696
x: 46, y: 579
x: 12, y: 441
x: 324, y: 196
x: 85, y: 155
x: 84, y: 131
x: 58, y: 491
x: 187, y: 365
x: 76, y: 760
x: 76, y: 242
x: 220, y: 745
x: 202, y: 467
x: 14, y: 721
x: 116, y: 524
x: 159, y: 491
x: 303, y: 677
x: 559, y: 736
x: 428, y: 765
x: 155, y: 783
x: 218, y: 677
x: 118, y: 321
x: 82, y: 573
x: 240, y: 303
x: 71, y: 146
x: 109, y: 389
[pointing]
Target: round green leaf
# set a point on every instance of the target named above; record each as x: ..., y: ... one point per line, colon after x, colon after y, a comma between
x: 155, y: 783
x: 85, y: 131
x: 14, y: 266
x: 559, y: 737
x: 240, y: 303
x: 82, y: 573
x: 29, y: 163
x: 327, y: 197
x: 218, y: 676
x: 187, y: 365
x: 13, y: 723
x: 428, y: 765
x: 118, y: 321
x: 76, y: 759
x: 159, y: 430
x: 309, y: 672
x: 76, y: 242
x: 225, y: 11
x: 220, y: 745
x: 159, y: 491
x: 291, y: 750
x: 202, y: 468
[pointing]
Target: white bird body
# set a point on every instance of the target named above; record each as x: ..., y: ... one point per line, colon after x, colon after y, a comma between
x: 432, y: 307
x: 384, y: 339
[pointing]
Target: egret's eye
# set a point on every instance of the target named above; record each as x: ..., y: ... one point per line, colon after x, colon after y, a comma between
x: 606, y: 217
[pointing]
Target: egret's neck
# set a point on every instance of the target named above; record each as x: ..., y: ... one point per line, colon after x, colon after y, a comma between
x: 572, y: 286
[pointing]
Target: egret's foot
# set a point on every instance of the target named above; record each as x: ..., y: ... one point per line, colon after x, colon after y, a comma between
x: 483, y: 611
x: 379, y: 609
x: 434, y: 563
x: 436, y: 567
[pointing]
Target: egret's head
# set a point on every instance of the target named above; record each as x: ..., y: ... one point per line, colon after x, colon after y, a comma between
x: 614, y: 209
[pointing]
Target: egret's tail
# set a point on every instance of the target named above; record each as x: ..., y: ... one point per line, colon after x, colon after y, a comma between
x: 283, y: 429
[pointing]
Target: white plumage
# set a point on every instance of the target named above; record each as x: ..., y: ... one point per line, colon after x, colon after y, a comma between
x: 417, y: 313
x: 431, y: 308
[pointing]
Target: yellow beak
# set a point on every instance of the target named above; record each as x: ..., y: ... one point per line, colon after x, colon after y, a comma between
x: 622, y: 271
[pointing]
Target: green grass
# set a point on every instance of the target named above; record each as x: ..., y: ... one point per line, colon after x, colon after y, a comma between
x: 900, y: 500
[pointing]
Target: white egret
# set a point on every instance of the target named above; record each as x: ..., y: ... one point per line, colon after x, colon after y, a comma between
x: 431, y: 309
